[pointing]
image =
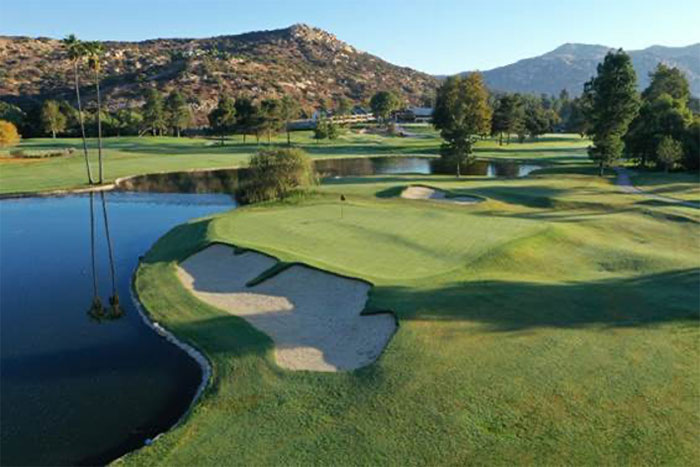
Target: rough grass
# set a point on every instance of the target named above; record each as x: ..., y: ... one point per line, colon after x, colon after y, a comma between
x: 133, y: 155
x: 555, y: 324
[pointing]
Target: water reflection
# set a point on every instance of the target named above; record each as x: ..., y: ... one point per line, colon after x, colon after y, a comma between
x: 235, y: 180
x: 97, y: 311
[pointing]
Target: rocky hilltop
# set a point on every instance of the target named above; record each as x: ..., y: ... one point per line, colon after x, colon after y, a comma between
x: 307, y: 63
x: 570, y: 65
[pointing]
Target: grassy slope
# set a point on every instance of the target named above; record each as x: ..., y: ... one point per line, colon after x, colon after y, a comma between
x: 684, y: 186
x: 554, y: 324
x: 132, y: 155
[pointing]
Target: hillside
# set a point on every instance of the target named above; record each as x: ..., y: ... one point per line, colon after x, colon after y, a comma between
x: 308, y: 63
x: 571, y: 65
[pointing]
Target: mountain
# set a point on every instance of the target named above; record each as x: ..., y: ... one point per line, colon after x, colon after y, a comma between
x: 571, y: 65
x: 307, y: 63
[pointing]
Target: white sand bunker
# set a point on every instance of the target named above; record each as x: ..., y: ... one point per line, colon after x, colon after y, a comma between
x: 423, y: 192
x: 312, y: 316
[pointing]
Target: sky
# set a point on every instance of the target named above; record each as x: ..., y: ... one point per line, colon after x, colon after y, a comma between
x: 434, y: 36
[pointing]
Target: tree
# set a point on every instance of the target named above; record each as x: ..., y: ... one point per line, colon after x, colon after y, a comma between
x: 76, y: 52
x: 94, y: 52
x: 326, y: 128
x: 289, y: 110
x: 657, y: 118
x: 153, y: 113
x: 577, y: 120
x: 52, y: 118
x: 11, y: 113
x: 223, y: 118
x: 246, y: 115
x: 383, y: 104
x: 663, y: 113
x: 502, y: 115
x: 613, y: 93
x: 461, y: 113
x: 278, y: 173
x: 177, y: 114
x: 8, y: 134
x: 127, y: 121
x: 670, y: 152
x: 667, y: 80
x: 691, y: 145
x: 537, y: 120
x: 271, y: 113
x: 344, y: 106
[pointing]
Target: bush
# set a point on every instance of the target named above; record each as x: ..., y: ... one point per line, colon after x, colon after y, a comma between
x: 277, y: 174
x: 41, y: 154
x: 8, y: 134
x: 326, y: 129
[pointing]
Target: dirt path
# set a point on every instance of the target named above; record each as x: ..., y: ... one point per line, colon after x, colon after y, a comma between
x: 625, y: 183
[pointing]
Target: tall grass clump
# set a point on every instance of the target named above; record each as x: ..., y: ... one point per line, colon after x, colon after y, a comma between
x: 278, y: 174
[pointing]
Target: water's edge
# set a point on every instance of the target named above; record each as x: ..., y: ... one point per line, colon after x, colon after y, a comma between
x: 198, y: 356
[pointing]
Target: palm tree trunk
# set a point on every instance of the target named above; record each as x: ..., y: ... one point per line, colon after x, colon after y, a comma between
x: 82, y: 124
x: 92, y: 246
x: 99, y: 126
x: 459, y: 171
x: 109, y: 245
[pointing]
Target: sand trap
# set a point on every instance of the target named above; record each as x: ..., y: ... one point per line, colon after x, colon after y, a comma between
x: 312, y: 316
x: 423, y: 192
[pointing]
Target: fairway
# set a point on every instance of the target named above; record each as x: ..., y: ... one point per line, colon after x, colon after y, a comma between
x: 555, y: 323
x: 124, y: 156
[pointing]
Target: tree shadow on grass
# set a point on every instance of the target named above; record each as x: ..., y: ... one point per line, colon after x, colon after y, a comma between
x: 508, y: 306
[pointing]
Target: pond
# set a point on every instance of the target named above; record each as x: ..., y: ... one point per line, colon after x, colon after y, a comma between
x: 233, y: 180
x: 78, y: 389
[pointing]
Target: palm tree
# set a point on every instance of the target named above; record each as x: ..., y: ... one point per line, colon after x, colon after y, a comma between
x: 115, y: 310
x: 76, y: 52
x: 94, y: 51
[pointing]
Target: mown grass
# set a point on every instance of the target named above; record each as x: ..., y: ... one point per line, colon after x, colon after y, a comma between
x: 554, y: 324
x: 133, y: 155
x: 679, y: 185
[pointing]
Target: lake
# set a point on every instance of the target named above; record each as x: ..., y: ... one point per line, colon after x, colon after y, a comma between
x: 76, y: 390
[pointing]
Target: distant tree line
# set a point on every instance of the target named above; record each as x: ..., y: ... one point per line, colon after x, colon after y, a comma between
x: 660, y: 127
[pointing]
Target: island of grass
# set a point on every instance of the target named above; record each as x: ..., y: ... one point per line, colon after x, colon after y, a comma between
x: 555, y: 323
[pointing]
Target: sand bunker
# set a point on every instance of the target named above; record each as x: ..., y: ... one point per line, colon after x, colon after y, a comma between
x: 423, y: 192
x: 312, y: 316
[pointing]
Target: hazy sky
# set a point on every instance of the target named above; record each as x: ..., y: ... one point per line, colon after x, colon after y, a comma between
x: 436, y: 36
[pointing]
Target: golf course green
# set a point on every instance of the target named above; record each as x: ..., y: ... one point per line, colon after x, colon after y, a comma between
x: 555, y: 323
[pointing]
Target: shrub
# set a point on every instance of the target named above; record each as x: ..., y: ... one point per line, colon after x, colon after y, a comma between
x: 277, y: 174
x: 669, y: 152
x: 326, y: 129
x: 8, y: 134
x: 41, y: 154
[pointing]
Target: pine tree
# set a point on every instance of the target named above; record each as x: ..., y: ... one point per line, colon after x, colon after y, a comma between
x: 177, y: 113
x: 153, y: 113
x: 615, y: 102
x: 223, y: 118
